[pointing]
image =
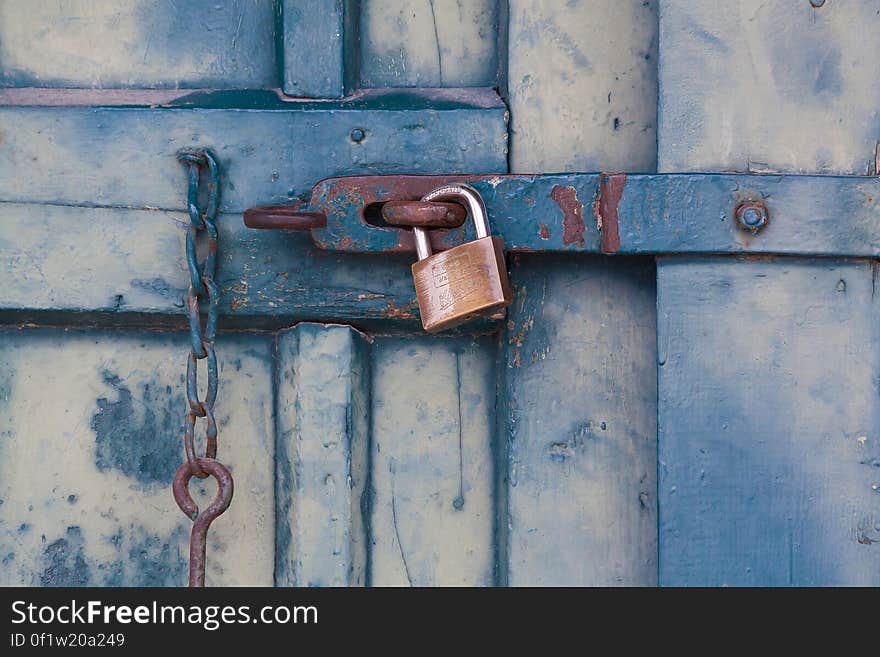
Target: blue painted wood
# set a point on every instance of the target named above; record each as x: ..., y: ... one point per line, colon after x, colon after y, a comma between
x: 433, y: 417
x: 61, y: 253
x: 319, y: 43
x: 138, y: 43
x: 85, y: 478
x: 429, y: 43
x: 582, y: 85
x: 768, y: 426
x: 269, y: 150
x: 781, y: 86
x: 322, y: 465
x: 578, y: 421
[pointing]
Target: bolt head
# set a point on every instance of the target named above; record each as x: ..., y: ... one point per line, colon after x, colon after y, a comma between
x: 752, y: 216
x: 357, y: 135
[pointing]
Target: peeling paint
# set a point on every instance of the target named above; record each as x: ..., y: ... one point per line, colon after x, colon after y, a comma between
x: 605, y: 208
x: 573, y: 226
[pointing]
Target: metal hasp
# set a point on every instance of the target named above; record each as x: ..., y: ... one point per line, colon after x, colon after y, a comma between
x: 610, y: 213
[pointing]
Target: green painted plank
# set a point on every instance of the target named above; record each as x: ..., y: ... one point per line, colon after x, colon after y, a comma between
x: 137, y: 43
x: 768, y: 426
x: 85, y: 478
x: 582, y: 85
x: 319, y: 43
x: 758, y: 86
x: 323, y: 407
x: 579, y: 422
x: 432, y: 464
x: 429, y: 43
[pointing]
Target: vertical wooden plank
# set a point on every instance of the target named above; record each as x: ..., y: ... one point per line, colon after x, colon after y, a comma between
x: 137, y: 44
x: 769, y: 432
x: 318, y: 44
x: 433, y: 419
x: 579, y: 417
x: 767, y: 388
x: 578, y: 379
x: 90, y: 438
x: 322, y: 456
x: 429, y: 43
x: 758, y: 86
x: 582, y: 84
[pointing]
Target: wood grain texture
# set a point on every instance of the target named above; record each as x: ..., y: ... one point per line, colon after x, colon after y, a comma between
x: 768, y: 86
x: 137, y: 43
x: 432, y: 462
x: 322, y: 456
x: 582, y: 84
x: 127, y: 255
x: 578, y: 419
x: 90, y: 438
x: 271, y: 152
x: 59, y: 258
x: 429, y: 43
x: 319, y: 42
x: 768, y: 427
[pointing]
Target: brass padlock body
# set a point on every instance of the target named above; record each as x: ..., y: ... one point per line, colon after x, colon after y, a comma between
x: 465, y: 282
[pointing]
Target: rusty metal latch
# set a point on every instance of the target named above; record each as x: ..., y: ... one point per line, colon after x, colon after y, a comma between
x: 597, y: 213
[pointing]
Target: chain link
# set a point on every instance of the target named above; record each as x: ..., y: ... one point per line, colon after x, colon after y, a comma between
x: 202, y: 288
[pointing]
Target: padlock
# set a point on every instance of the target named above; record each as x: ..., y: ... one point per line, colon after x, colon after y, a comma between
x: 466, y: 281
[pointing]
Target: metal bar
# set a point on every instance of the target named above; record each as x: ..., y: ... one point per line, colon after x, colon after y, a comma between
x: 633, y: 214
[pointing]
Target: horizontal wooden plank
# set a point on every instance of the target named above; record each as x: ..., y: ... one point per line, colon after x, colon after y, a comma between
x: 269, y: 150
x: 132, y: 261
x: 91, y: 427
x: 768, y: 86
x: 137, y: 43
x: 125, y: 254
x: 577, y: 421
x: 769, y: 440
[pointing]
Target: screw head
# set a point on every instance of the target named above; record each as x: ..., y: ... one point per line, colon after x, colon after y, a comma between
x: 357, y: 135
x: 752, y: 216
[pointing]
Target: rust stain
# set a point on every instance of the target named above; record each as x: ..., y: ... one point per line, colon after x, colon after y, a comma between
x: 573, y: 226
x: 545, y: 232
x: 237, y: 303
x: 605, y: 208
x: 400, y: 312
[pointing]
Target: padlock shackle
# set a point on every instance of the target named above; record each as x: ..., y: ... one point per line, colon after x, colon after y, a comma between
x: 463, y: 193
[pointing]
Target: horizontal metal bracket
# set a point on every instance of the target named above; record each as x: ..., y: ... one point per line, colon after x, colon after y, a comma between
x: 618, y: 213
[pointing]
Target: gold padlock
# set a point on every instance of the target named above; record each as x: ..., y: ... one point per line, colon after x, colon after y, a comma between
x: 467, y: 281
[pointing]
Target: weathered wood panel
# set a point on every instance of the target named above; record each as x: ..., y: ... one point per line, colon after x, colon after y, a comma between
x: 582, y: 83
x: 432, y: 464
x: 769, y: 441
x: 269, y: 150
x: 757, y: 86
x: 579, y: 421
x: 129, y: 258
x: 137, y: 43
x: 319, y: 41
x: 323, y: 410
x: 128, y: 261
x: 429, y: 43
x: 90, y: 438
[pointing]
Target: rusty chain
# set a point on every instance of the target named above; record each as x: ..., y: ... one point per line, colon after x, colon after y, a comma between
x: 202, y: 287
